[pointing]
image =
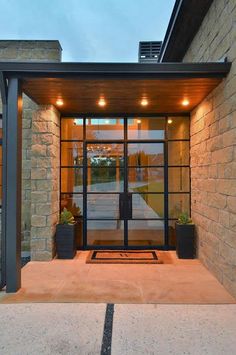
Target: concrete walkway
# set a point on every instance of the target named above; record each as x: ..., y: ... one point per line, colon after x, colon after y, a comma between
x: 137, y: 329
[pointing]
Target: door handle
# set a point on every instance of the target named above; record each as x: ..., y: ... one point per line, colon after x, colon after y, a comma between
x: 122, y: 206
x: 130, y: 206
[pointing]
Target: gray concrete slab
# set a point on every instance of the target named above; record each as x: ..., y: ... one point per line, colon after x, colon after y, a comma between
x: 174, y: 329
x: 51, y: 329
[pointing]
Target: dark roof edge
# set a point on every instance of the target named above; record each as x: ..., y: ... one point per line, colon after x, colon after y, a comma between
x: 185, y: 20
x: 160, y: 69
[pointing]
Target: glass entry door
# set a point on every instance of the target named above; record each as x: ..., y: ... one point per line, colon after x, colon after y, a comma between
x: 125, y: 185
x: 127, y: 177
x: 105, y: 176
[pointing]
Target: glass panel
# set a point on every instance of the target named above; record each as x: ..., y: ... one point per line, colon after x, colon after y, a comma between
x: 105, y: 155
x: 172, y: 235
x: 179, y: 128
x: 105, y: 233
x: 146, y: 180
x: 71, y: 153
x: 146, y: 128
x: 148, y: 205
x: 72, y: 203
x: 71, y: 180
x: 146, y: 232
x: 104, y: 128
x: 178, y: 179
x: 103, y: 206
x: 145, y: 154
x: 178, y: 203
x: 105, y: 179
x: 178, y: 153
x: 72, y: 128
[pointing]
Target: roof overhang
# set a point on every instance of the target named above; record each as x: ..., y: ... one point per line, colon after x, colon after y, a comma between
x: 123, y: 85
x: 185, y: 20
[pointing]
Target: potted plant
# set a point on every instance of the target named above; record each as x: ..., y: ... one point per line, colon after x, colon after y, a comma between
x: 185, y: 240
x: 65, y: 236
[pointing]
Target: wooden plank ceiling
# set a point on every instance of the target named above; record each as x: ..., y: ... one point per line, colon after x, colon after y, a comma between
x: 121, y: 95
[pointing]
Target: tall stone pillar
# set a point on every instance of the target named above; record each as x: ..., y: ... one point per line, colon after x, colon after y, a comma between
x: 45, y: 172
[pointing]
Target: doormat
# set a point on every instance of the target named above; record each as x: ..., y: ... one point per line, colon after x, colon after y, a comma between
x: 123, y: 257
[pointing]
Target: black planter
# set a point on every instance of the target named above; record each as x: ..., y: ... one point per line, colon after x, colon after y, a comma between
x: 65, y: 241
x: 185, y: 241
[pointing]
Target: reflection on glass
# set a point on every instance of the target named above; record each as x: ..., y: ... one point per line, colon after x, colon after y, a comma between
x: 146, y: 128
x: 72, y: 128
x: 142, y: 233
x: 105, y: 233
x: 179, y: 128
x: 71, y: 153
x: 105, y: 155
x: 178, y: 203
x: 103, y: 206
x: 178, y: 179
x: 171, y: 233
x: 71, y: 179
x: 146, y: 179
x: 148, y: 205
x: 104, y: 128
x: 178, y: 153
x: 140, y: 154
x: 105, y: 179
x: 73, y: 202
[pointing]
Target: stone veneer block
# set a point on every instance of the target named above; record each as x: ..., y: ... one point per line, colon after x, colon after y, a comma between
x: 213, y: 147
x: 44, y: 190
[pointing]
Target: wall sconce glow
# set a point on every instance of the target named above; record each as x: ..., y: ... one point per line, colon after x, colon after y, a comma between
x: 170, y: 121
x: 102, y: 102
x: 185, y: 102
x: 59, y: 102
x: 144, y: 102
x: 138, y: 121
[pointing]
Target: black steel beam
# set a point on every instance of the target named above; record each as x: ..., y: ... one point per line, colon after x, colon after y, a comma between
x: 13, y: 185
x: 119, y: 70
x: 3, y: 89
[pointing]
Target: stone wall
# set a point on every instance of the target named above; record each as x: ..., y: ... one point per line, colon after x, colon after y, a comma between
x: 41, y: 51
x: 213, y: 147
x: 45, y: 172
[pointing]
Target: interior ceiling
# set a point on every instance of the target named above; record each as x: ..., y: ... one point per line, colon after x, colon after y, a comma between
x: 121, y: 95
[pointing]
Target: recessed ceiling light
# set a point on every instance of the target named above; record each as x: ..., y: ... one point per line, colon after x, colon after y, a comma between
x: 144, y: 102
x: 59, y: 102
x: 170, y: 121
x: 185, y: 102
x: 102, y: 102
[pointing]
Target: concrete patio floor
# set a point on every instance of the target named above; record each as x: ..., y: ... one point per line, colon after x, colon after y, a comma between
x: 52, y: 329
x: 174, y: 282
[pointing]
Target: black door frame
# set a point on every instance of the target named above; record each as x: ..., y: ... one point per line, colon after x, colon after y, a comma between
x: 125, y: 141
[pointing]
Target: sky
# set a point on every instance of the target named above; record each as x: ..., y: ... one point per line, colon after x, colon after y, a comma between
x: 88, y: 30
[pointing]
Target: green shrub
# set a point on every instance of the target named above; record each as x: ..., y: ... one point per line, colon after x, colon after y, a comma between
x: 184, y: 218
x: 66, y: 217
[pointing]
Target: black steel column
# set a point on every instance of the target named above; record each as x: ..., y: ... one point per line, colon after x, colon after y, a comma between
x: 3, y: 87
x: 13, y: 175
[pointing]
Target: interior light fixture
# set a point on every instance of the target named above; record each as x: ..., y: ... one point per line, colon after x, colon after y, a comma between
x: 102, y: 102
x: 170, y: 121
x: 185, y: 102
x: 107, y: 121
x: 59, y: 102
x: 138, y: 121
x: 144, y: 102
